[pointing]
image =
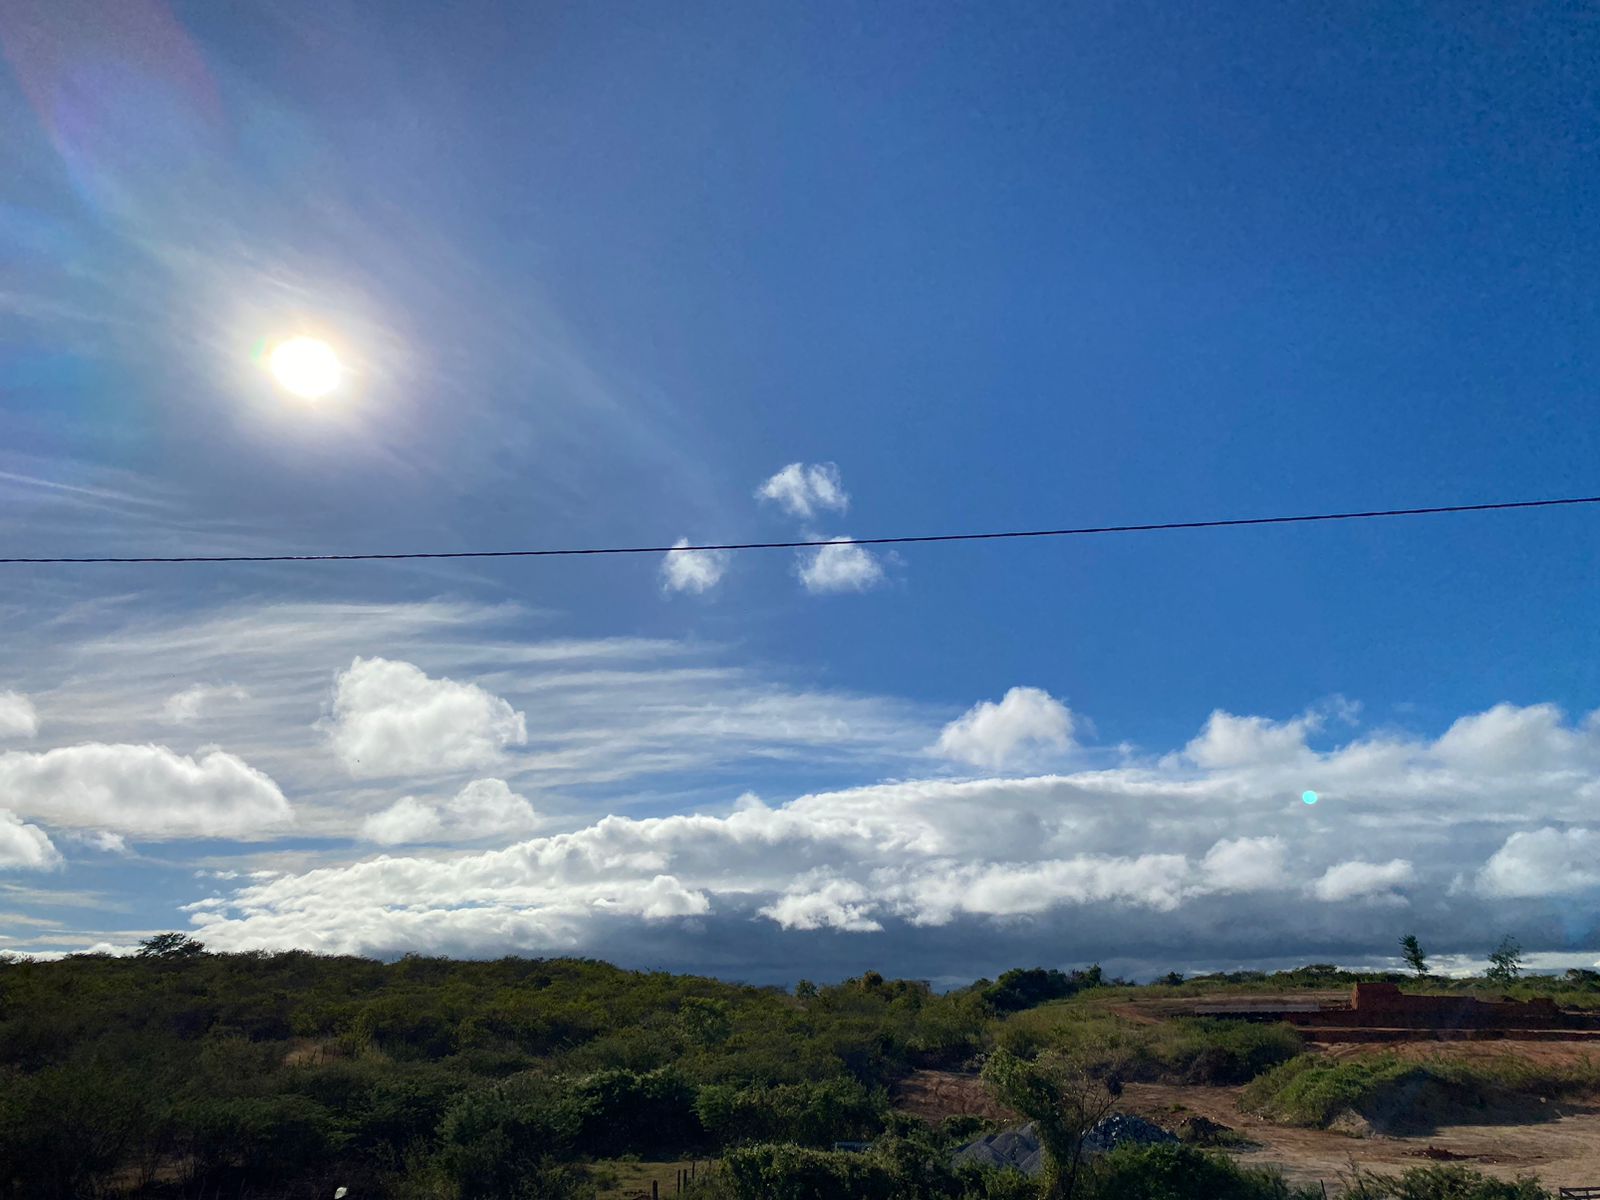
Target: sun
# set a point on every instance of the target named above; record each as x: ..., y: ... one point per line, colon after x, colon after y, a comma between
x: 306, y: 366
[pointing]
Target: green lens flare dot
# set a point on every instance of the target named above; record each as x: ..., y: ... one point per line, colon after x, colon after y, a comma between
x: 1309, y: 797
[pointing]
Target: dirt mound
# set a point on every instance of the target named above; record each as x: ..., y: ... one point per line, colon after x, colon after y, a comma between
x: 1203, y: 1131
x: 935, y: 1095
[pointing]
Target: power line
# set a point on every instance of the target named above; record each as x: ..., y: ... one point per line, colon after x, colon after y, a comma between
x: 1227, y: 523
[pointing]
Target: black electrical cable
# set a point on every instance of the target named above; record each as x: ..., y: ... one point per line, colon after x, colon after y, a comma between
x: 1227, y: 523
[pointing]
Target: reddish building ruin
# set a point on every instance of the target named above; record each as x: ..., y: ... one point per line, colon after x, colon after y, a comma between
x: 1381, y: 1011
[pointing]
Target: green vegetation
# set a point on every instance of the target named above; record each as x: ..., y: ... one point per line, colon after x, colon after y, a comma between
x: 1187, y: 1049
x: 1411, y: 951
x: 1505, y: 961
x: 1439, y: 1183
x: 181, y: 1073
x: 1174, y: 1171
x: 1393, y: 1092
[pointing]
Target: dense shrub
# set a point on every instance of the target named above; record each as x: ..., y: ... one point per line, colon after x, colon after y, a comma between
x: 810, y: 1114
x: 621, y: 1112
x: 496, y: 1138
x: 261, y: 1137
x: 785, y: 1172
x: 1224, y: 1052
x: 1173, y: 1171
x: 1440, y: 1183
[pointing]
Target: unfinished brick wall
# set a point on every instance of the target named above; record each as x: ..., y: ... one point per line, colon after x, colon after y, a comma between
x: 1384, y: 1005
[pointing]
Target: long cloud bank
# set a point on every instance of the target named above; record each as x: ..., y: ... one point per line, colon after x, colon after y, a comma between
x: 1489, y: 815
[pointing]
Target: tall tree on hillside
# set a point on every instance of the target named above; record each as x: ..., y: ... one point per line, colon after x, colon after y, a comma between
x: 170, y: 945
x: 1415, y: 958
x: 1505, y: 962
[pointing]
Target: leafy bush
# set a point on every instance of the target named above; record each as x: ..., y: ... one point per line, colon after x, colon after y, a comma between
x: 1440, y: 1183
x: 810, y: 1114
x: 272, y: 1137
x: 1224, y: 1052
x: 1027, y: 988
x: 494, y: 1137
x: 784, y: 1172
x: 620, y: 1111
x: 1173, y: 1171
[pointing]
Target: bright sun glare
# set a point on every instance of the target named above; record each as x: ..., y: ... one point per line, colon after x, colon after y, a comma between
x: 305, y: 366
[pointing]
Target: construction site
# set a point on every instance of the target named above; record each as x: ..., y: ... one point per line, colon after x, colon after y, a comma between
x: 1381, y: 1012
x: 1555, y: 1137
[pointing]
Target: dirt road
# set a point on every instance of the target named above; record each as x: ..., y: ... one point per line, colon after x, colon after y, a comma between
x: 1563, y: 1151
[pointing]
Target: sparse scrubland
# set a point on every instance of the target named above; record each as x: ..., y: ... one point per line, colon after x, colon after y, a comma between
x: 184, y: 1073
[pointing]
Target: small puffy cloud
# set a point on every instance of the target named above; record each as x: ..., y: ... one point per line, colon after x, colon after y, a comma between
x: 1246, y: 864
x: 391, y: 718
x: 839, y: 567
x: 694, y: 571
x: 1358, y: 880
x: 406, y: 820
x: 24, y: 846
x: 143, y: 791
x: 484, y: 808
x: 18, y: 719
x: 1543, y: 862
x: 1026, y: 720
x: 193, y: 703
x: 803, y: 491
x: 1230, y: 741
x: 100, y: 839
x: 834, y: 904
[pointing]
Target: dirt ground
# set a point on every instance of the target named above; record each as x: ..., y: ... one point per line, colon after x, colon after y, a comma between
x: 935, y: 1095
x: 1562, y: 1151
x: 1551, y: 1053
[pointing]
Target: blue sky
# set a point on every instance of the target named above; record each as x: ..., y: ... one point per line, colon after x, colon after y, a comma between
x: 597, y: 273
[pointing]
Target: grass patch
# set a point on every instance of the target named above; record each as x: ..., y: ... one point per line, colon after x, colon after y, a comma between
x: 621, y: 1179
x: 1395, y: 1093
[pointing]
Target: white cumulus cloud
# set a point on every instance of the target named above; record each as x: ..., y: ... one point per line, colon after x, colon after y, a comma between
x: 1543, y: 862
x: 406, y: 820
x: 391, y: 718
x: 484, y: 808
x: 1246, y: 864
x: 18, y: 719
x: 1230, y: 741
x: 803, y: 490
x: 1358, y: 880
x: 24, y: 845
x: 838, y: 567
x: 1026, y: 720
x: 831, y: 904
x: 696, y: 571
x: 143, y: 791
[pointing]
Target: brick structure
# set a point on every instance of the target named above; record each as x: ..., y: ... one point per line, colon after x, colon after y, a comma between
x: 1383, y: 1006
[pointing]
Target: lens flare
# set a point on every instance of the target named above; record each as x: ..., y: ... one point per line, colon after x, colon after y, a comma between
x: 305, y: 366
x: 1309, y: 797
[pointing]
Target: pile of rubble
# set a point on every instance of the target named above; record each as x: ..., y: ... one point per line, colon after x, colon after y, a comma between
x: 1124, y: 1127
x: 1019, y: 1148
